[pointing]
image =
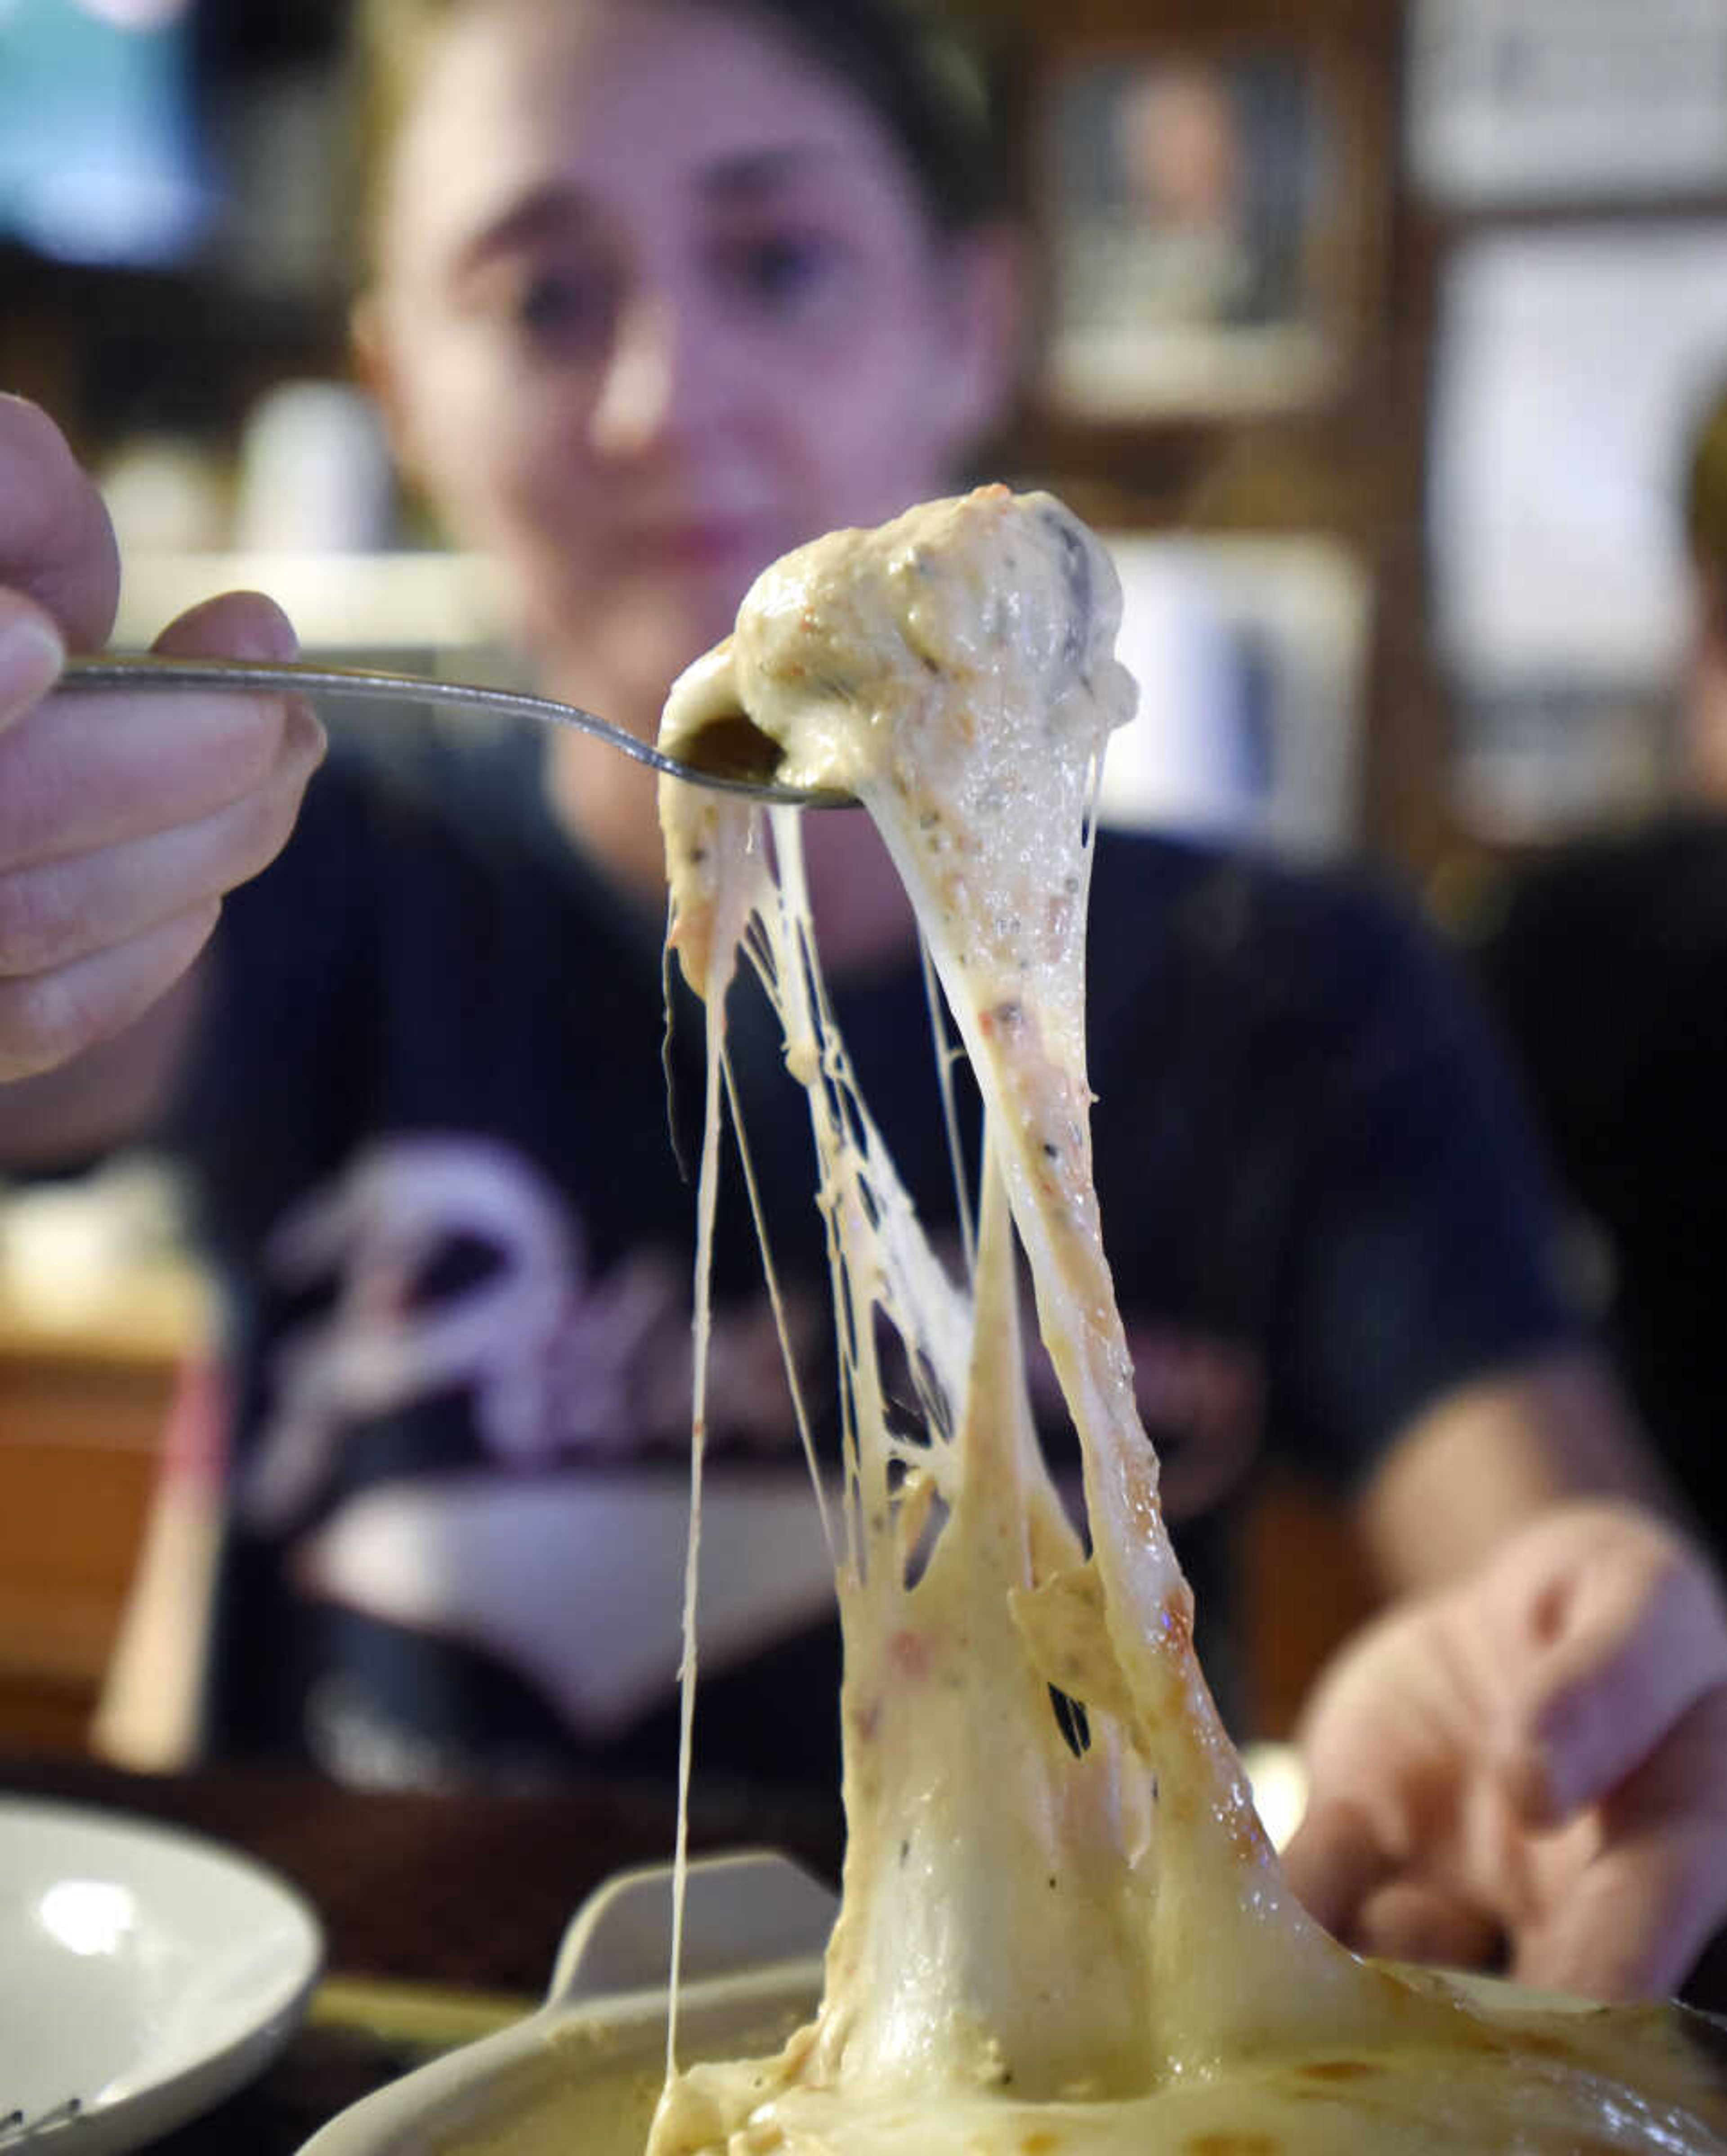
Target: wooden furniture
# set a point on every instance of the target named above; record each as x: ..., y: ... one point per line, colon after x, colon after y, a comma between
x: 84, y: 1399
x: 1305, y: 1586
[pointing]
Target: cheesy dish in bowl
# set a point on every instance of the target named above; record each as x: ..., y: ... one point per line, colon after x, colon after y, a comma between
x: 1062, y: 1927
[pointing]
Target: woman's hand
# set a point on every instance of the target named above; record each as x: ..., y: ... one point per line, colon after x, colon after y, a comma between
x: 1532, y: 1763
x: 123, y: 818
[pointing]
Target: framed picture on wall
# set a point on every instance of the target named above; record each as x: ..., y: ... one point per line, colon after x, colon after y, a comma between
x: 1252, y: 659
x: 1211, y: 229
x: 1574, y: 363
x: 1527, y: 101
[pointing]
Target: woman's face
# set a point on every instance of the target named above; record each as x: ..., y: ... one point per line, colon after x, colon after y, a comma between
x: 657, y: 300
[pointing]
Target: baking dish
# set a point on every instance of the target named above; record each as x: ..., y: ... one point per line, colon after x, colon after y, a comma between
x: 584, y: 2071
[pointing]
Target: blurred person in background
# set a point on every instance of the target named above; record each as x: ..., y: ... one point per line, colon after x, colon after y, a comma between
x: 1703, y: 708
x: 661, y: 288
x: 1605, y: 960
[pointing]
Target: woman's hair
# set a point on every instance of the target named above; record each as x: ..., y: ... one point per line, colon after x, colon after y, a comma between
x: 938, y: 84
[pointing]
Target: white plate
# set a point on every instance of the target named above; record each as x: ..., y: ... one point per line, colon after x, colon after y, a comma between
x: 143, y: 1970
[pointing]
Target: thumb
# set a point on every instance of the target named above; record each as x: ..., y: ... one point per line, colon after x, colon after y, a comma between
x: 236, y: 625
x: 247, y: 625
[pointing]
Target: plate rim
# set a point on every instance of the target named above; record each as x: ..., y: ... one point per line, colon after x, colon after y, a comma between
x: 197, y: 2084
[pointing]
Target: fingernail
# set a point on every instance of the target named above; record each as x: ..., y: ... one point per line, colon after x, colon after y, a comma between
x: 31, y: 657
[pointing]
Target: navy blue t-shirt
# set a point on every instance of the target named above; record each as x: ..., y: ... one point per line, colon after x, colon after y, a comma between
x: 432, y: 1125
x: 1604, y: 961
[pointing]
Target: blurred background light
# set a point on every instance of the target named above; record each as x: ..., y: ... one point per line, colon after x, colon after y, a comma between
x: 100, y: 159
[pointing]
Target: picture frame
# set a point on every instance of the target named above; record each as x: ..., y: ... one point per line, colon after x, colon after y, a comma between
x: 1570, y: 368
x: 1516, y: 103
x: 1251, y: 657
x: 1214, y: 211
x: 1573, y: 364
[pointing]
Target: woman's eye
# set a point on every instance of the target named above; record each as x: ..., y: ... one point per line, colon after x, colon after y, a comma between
x: 786, y: 272
x: 558, y: 307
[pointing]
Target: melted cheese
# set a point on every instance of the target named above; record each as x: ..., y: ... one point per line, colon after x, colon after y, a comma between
x: 1044, y: 1944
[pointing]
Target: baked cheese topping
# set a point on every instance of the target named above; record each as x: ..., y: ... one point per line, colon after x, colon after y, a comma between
x: 1061, y: 1926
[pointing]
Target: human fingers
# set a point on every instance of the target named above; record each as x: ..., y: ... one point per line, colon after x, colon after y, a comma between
x: 233, y: 625
x: 1335, y: 1860
x: 1633, y: 1920
x: 46, y: 1018
x: 249, y: 625
x: 124, y: 817
x: 1418, y: 1920
x: 1353, y: 1884
x: 73, y: 905
x: 98, y: 769
x: 1625, y: 1631
x: 31, y: 655
x: 56, y: 543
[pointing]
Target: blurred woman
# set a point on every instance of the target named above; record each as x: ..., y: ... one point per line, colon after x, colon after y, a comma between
x: 660, y: 293
x: 661, y: 288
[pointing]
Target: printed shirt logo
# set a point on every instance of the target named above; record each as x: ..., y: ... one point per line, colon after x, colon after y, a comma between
x: 557, y: 1362
x: 565, y: 1370
x: 562, y: 1365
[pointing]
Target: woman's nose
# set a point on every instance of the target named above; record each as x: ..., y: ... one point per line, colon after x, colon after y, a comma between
x: 653, y: 380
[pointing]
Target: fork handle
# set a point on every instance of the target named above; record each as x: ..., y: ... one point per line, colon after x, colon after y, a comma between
x: 365, y: 684
x: 356, y: 684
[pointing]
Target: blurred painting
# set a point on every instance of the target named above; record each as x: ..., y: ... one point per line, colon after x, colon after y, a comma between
x: 1193, y: 201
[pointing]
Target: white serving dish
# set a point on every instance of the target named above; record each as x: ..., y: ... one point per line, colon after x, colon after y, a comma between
x: 583, y: 2071
x: 580, y: 2076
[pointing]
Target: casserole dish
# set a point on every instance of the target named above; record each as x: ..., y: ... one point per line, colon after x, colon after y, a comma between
x: 584, y: 2071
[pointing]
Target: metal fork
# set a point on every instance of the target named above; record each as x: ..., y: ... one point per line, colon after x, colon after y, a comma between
x: 18, y: 2130
x: 743, y: 758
